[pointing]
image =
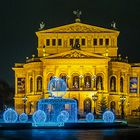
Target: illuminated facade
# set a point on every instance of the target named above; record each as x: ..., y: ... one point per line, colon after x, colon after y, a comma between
x: 85, y: 56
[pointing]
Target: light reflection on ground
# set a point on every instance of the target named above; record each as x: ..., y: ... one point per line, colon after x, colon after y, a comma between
x: 55, y: 134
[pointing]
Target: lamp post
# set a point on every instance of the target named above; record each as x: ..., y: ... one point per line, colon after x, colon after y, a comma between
x: 122, y: 99
x: 31, y: 104
x: 94, y: 98
x: 24, y: 101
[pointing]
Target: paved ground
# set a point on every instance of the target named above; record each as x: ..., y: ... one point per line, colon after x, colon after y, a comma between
x: 133, y: 121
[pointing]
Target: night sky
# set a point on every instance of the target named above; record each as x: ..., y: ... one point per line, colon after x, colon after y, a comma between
x: 19, y: 20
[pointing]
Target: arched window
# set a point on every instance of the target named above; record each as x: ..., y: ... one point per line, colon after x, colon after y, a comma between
x: 77, y: 102
x: 76, y: 82
x: 87, y: 105
x: 99, y: 83
x: 121, y: 84
x: 63, y: 76
x: 87, y: 81
x: 31, y: 84
x: 49, y: 78
x: 113, y: 83
x: 113, y: 106
x: 39, y: 83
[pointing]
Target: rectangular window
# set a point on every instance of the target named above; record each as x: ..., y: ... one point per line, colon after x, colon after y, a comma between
x: 53, y: 42
x: 94, y: 41
x: 107, y: 41
x: 71, y: 42
x: 83, y: 42
x: 47, y: 42
x: 101, y: 41
x: 59, y: 42
x: 77, y: 41
x: 20, y: 85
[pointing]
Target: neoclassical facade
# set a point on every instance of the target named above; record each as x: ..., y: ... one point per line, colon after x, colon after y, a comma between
x: 86, y: 57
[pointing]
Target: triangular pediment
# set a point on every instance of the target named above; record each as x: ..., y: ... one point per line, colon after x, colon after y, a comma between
x: 78, y: 28
x: 76, y: 54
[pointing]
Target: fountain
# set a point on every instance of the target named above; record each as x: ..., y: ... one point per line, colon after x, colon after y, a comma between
x: 58, y: 112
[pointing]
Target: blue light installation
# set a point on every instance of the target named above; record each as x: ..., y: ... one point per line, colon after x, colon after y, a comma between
x: 39, y: 117
x: 65, y: 114
x: 108, y: 116
x: 57, y: 87
x: 89, y: 117
x: 53, y: 107
x: 23, y: 118
x: 10, y: 116
x: 61, y: 118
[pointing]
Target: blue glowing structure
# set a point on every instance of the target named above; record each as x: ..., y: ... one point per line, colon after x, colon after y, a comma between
x: 53, y: 107
x: 65, y: 114
x: 39, y: 117
x: 89, y: 117
x: 23, y: 118
x: 10, y: 116
x: 61, y: 118
x: 108, y: 116
x: 57, y: 87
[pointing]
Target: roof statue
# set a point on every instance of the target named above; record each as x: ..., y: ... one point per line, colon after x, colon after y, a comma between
x: 42, y: 25
x: 113, y: 25
x: 78, y: 13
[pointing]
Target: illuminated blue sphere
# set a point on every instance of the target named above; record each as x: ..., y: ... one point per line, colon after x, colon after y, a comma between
x: 39, y: 116
x: 57, y: 87
x: 108, y: 116
x: 10, y: 116
x: 65, y: 114
x: 61, y: 118
x: 23, y: 118
x: 89, y: 117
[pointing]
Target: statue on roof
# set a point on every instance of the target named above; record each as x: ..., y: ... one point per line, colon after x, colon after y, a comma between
x: 78, y: 13
x: 42, y: 25
x: 113, y: 25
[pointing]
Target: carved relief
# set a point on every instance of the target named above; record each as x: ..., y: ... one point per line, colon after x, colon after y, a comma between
x: 75, y: 55
x: 80, y: 28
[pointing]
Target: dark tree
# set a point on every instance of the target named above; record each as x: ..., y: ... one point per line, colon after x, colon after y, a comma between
x: 6, y: 95
x: 102, y: 105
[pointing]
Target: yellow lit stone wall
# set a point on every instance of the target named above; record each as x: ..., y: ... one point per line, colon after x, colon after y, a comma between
x: 91, y: 60
x: 77, y: 31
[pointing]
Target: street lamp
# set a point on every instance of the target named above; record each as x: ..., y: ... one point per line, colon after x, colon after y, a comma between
x: 122, y: 99
x: 94, y: 98
x: 24, y: 101
x: 31, y: 104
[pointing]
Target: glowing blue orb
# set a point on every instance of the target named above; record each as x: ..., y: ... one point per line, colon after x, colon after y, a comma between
x: 39, y: 116
x: 65, y: 114
x: 23, y: 118
x: 57, y: 87
x: 89, y: 117
x: 61, y: 118
x: 10, y: 116
x: 108, y: 116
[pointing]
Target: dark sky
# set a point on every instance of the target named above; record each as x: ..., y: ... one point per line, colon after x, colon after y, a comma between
x: 19, y: 19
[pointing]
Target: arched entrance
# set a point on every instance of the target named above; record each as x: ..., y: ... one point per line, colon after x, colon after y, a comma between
x: 87, y: 105
x: 113, y: 106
